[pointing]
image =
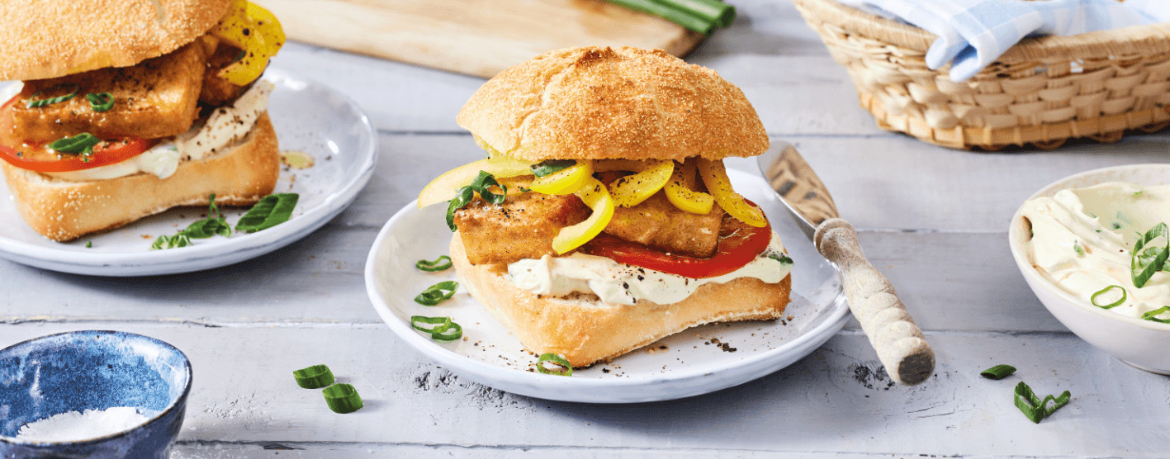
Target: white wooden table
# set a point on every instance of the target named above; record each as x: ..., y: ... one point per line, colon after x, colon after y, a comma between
x: 934, y: 220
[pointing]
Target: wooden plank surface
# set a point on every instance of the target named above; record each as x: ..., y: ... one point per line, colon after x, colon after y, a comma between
x: 474, y: 37
x: 932, y: 219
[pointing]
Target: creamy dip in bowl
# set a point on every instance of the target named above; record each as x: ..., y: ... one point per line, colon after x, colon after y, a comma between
x: 1074, y: 238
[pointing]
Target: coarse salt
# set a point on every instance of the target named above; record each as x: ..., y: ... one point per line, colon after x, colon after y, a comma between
x: 78, y: 426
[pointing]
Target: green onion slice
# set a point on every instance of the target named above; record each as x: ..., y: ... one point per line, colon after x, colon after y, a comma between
x: 998, y: 372
x: 100, y: 102
x: 552, y: 166
x: 342, y: 398
x: 1144, y: 263
x: 1151, y: 315
x: 33, y: 102
x: 437, y: 293
x: 80, y: 143
x: 442, y: 263
x: 1059, y: 402
x: 314, y: 377
x: 450, y: 333
x: 562, y: 366
x: 420, y: 323
x: 1029, y: 403
x: 1093, y: 299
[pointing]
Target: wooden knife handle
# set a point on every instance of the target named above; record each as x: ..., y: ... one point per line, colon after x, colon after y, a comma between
x: 892, y: 332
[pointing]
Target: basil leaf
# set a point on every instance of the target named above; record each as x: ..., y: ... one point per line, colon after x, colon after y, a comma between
x: 782, y: 258
x: 462, y: 197
x: 551, y: 166
x: 483, y: 184
x: 272, y: 210
x: 80, y: 143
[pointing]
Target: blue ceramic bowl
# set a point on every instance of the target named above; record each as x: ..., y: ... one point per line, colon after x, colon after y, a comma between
x: 93, y: 370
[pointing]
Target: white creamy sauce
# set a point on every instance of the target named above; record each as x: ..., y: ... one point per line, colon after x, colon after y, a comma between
x: 618, y: 283
x: 1082, y: 241
x: 226, y: 126
x: 75, y: 426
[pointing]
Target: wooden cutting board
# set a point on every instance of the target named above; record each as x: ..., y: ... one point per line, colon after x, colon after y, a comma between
x: 475, y: 37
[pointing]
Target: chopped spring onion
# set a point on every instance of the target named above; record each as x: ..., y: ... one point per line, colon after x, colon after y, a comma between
x: 100, y: 102
x: 79, y: 144
x: 482, y: 185
x: 998, y: 372
x: 561, y: 367
x: 442, y: 263
x: 1152, y: 315
x: 443, y: 330
x: 437, y: 293
x: 314, y: 377
x: 1035, y: 408
x: 715, y: 11
x: 1144, y: 263
x: 1093, y: 299
x: 551, y: 166
x: 342, y: 398
x: 33, y: 102
x: 670, y: 13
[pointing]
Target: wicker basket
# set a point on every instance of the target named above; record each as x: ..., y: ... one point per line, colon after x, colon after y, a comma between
x: 1041, y: 92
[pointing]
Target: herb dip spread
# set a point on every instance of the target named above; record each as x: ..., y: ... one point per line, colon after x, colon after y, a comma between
x: 1082, y: 241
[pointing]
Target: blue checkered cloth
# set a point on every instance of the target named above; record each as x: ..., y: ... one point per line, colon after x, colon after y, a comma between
x: 974, y: 33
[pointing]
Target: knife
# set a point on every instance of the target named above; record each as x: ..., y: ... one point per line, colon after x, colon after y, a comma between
x: 899, y: 343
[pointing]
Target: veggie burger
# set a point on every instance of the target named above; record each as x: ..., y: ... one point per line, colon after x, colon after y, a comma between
x: 129, y: 108
x: 603, y: 219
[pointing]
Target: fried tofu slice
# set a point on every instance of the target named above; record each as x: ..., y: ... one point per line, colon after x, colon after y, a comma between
x: 523, y: 226
x: 156, y: 98
x: 660, y: 225
x: 218, y: 91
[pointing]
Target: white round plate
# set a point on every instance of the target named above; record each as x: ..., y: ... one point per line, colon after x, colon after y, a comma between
x: 308, y: 117
x: 696, y: 361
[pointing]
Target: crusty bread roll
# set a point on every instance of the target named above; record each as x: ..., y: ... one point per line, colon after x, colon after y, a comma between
x: 587, y: 331
x: 52, y: 38
x: 613, y: 103
x: 65, y: 210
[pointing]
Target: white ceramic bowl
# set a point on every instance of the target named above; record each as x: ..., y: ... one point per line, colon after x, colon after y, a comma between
x: 1140, y: 343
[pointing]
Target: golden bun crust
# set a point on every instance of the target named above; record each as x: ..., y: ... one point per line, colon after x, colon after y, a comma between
x: 586, y: 332
x: 613, y: 103
x: 48, y: 39
x: 64, y: 210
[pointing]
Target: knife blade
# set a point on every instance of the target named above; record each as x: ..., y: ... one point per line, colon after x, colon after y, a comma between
x: 899, y: 342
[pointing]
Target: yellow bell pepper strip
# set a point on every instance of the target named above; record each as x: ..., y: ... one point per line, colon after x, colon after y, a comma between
x: 631, y: 190
x: 567, y: 181
x: 444, y: 187
x: 596, y: 196
x: 257, y: 32
x: 715, y: 177
x: 680, y: 191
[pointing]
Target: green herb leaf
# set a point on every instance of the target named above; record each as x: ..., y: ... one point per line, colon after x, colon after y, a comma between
x: 1077, y: 248
x: 342, y: 398
x: 440, y: 264
x: 782, y: 258
x: 482, y: 184
x: 1093, y: 298
x: 100, y: 102
x: 551, y: 166
x: 1144, y: 263
x: 1152, y: 315
x: 561, y: 366
x: 462, y: 197
x: 998, y: 372
x: 89, y: 244
x: 33, y: 102
x: 272, y: 210
x: 437, y: 293
x: 314, y: 377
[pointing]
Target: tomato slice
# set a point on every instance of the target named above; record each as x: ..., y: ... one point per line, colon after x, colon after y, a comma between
x: 739, y: 244
x: 38, y: 157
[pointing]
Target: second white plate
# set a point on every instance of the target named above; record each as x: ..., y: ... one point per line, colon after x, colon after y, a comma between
x: 696, y: 361
x: 308, y: 118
